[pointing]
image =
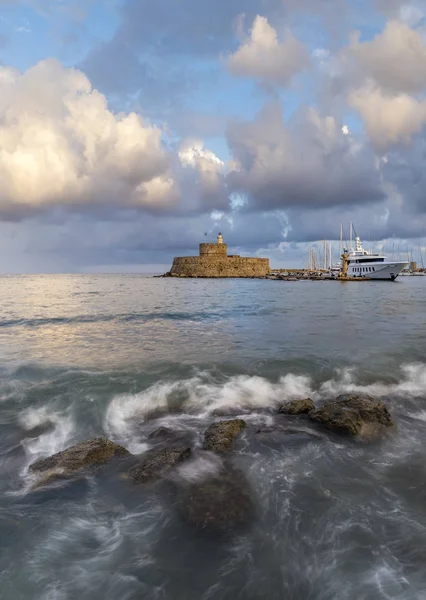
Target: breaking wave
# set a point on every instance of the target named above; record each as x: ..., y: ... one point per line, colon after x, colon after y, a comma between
x: 202, y: 396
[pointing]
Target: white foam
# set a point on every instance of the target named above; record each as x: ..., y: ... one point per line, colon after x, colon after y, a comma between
x: 420, y: 415
x: 201, y: 467
x: 412, y: 383
x: 53, y: 440
x: 201, y: 396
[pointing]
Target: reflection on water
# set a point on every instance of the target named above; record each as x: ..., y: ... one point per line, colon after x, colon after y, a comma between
x: 119, y: 356
x: 117, y: 321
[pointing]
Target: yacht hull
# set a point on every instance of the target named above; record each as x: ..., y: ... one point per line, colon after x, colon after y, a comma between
x: 382, y: 271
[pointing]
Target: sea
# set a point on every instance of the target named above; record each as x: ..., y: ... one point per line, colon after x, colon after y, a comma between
x: 83, y: 356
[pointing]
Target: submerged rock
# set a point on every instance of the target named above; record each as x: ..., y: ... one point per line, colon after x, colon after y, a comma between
x: 220, y: 436
x: 168, y: 435
x: 162, y: 433
x: 280, y: 432
x: 297, y: 407
x: 155, y: 463
x: 84, y: 454
x: 355, y: 415
x: 39, y: 430
x: 220, y: 502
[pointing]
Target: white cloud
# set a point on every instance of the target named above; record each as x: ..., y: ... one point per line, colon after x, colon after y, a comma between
x: 395, y: 59
x: 263, y: 56
x: 192, y: 153
x: 388, y: 119
x: 209, y: 168
x: 61, y: 144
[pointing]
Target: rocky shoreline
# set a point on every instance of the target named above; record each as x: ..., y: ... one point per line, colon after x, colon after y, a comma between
x: 217, y: 496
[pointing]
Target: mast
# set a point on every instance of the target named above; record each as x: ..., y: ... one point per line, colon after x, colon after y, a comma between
x: 341, y: 241
x: 350, y: 235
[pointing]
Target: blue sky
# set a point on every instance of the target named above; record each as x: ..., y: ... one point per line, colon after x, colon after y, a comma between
x: 134, y: 124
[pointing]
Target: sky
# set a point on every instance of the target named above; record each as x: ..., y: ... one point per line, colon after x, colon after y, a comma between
x: 132, y: 130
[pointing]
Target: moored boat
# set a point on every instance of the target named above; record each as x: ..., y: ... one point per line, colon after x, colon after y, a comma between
x: 370, y: 265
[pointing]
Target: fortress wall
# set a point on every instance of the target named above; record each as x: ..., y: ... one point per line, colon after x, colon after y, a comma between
x: 219, y: 266
x: 213, y: 249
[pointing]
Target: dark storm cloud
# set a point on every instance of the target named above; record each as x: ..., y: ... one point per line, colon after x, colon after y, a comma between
x: 405, y: 170
x: 307, y: 162
x: 80, y: 240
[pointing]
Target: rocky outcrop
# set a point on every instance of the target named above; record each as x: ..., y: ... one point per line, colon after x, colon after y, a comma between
x: 354, y: 415
x: 156, y: 463
x: 77, y: 457
x: 220, y: 435
x: 297, y: 407
x: 218, y: 503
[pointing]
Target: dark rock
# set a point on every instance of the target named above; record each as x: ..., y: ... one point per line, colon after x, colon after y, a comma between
x: 156, y: 462
x: 297, y: 407
x: 220, y: 436
x: 219, y: 503
x: 355, y: 415
x: 84, y: 454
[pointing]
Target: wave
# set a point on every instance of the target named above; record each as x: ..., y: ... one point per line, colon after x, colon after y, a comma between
x: 203, y: 397
x: 126, y: 317
x: 188, y: 404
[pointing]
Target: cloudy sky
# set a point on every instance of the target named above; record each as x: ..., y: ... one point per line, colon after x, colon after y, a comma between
x: 130, y: 128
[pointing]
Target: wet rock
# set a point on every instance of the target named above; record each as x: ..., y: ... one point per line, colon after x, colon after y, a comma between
x: 297, y: 407
x: 84, y: 454
x: 156, y: 462
x: 355, y: 415
x: 218, y: 503
x: 220, y: 436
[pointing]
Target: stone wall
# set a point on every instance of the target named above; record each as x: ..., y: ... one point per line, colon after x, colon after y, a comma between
x: 219, y: 266
x: 213, y: 249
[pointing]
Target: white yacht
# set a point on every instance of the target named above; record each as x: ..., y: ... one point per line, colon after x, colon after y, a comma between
x: 363, y: 263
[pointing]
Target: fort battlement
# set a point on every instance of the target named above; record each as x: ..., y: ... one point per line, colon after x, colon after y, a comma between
x: 213, y: 261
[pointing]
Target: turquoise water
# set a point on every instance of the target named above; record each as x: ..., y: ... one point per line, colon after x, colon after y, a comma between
x: 99, y: 355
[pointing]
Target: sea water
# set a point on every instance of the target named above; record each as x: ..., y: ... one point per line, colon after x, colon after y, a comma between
x: 116, y: 355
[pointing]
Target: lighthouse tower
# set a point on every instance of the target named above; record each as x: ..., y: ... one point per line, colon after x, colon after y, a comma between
x: 220, y: 238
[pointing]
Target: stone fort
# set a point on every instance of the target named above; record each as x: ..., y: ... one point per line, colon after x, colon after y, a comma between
x: 213, y: 261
